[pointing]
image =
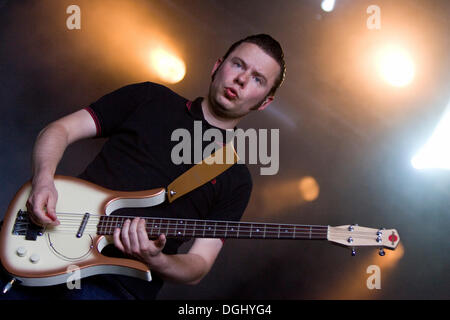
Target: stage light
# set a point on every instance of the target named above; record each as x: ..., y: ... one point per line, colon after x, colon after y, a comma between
x: 168, y: 67
x: 395, y: 66
x: 436, y: 152
x: 290, y: 194
x: 328, y: 5
x: 309, y: 188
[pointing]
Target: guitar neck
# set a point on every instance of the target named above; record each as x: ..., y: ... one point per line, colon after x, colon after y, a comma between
x: 189, y: 228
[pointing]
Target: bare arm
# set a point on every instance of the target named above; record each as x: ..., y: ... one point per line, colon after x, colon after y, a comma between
x: 187, y: 268
x: 48, y: 150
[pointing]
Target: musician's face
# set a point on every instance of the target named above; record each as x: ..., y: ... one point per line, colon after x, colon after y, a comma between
x: 242, y: 82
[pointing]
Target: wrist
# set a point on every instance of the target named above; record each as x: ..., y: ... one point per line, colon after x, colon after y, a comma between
x: 158, y: 262
x: 42, y: 178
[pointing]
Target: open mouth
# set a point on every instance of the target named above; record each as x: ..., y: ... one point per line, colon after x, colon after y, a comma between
x: 231, y: 93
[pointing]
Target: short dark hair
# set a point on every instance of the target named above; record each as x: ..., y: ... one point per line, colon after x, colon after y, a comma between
x: 271, y: 47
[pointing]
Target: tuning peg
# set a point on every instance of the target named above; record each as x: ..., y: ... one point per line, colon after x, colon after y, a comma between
x: 353, y: 252
x: 381, y: 252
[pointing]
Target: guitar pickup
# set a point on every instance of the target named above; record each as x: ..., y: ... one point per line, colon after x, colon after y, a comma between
x: 83, y: 225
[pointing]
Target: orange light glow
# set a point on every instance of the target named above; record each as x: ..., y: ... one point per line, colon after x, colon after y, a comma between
x: 309, y: 189
x: 280, y: 196
x: 395, y: 66
x: 168, y: 67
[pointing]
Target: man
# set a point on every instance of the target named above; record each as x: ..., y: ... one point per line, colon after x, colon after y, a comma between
x: 138, y: 120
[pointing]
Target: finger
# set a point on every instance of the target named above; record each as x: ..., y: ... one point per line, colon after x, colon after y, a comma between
x: 51, y: 209
x: 124, y: 236
x: 132, y: 234
x: 38, y: 215
x: 142, y: 235
x: 161, y: 241
x: 117, y: 241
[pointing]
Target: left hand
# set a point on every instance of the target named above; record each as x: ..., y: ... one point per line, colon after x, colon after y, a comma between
x: 133, y: 240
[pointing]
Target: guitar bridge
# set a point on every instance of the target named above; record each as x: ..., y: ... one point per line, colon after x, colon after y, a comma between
x: 23, y: 226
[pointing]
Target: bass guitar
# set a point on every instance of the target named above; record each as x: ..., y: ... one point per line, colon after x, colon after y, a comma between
x: 43, y: 256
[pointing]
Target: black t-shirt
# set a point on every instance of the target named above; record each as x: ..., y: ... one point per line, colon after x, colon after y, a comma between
x: 138, y: 121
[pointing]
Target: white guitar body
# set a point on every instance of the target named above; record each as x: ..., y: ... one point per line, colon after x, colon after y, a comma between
x: 53, y: 256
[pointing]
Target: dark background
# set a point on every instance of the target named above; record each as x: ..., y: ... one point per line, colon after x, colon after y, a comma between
x: 339, y: 123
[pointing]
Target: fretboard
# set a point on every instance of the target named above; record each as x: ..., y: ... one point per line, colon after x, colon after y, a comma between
x: 189, y: 228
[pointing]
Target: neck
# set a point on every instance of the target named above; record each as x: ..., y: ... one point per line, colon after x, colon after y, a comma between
x: 215, y: 120
x: 191, y: 228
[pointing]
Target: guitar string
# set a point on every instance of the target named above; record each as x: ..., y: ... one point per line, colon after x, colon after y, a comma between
x: 165, y: 222
x: 219, y: 228
x: 81, y: 215
x: 172, y: 232
x: 169, y: 228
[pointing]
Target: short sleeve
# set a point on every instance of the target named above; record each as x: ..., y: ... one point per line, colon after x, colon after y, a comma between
x: 111, y: 110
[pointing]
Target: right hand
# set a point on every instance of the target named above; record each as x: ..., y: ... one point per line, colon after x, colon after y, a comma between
x: 41, y: 203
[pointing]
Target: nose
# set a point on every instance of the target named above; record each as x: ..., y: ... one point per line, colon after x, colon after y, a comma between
x: 241, y: 79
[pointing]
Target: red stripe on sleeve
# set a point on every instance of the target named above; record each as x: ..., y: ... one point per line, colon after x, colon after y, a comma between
x: 97, y: 122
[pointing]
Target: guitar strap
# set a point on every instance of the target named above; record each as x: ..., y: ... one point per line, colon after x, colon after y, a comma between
x: 202, y: 172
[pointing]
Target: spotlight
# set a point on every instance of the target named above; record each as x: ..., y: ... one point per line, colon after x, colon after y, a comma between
x: 395, y: 66
x: 435, y: 153
x: 328, y: 5
x: 168, y: 67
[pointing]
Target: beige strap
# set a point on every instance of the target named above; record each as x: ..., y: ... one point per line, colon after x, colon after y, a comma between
x: 202, y: 172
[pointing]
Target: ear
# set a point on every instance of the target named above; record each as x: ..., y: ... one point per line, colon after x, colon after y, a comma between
x: 266, y: 102
x: 216, y: 65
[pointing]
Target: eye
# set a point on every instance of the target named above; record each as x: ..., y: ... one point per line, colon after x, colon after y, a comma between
x: 237, y: 64
x: 258, y: 79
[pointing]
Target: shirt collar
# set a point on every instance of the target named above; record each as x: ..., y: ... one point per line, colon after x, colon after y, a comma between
x: 195, y: 110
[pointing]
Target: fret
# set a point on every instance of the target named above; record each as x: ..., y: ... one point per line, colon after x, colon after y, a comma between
x: 286, y: 231
x: 178, y: 232
x: 106, y: 225
x: 293, y: 235
x: 232, y: 229
x: 175, y: 231
x: 204, y: 228
x: 159, y: 228
x: 153, y: 227
x: 209, y: 229
x: 251, y: 227
x: 111, y: 225
x: 258, y: 230
x: 270, y: 231
x: 184, y: 230
x: 310, y: 232
x: 279, y: 229
x: 239, y: 229
x: 221, y: 230
x: 167, y: 228
x: 195, y: 225
x: 215, y: 227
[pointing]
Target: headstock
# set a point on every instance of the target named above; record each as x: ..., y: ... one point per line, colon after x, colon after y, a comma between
x: 356, y: 236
